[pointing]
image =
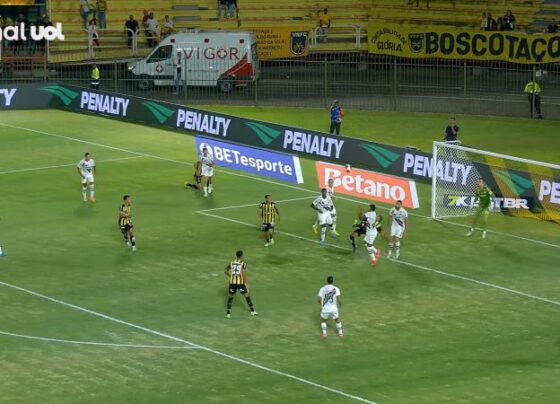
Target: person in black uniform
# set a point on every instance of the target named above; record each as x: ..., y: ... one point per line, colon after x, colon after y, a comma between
x: 452, y: 130
x: 236, y: 272
x: 360, y: 229
x: 197, y: 177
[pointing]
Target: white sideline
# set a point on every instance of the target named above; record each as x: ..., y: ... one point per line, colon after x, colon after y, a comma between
x: 191, y: 344
x: 107, y: 344
x: 23, y: 170
x: 254, y: 178
x: 248, y: 205
x: 410, y: 264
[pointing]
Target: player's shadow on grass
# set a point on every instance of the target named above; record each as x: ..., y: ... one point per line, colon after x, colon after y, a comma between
x: 84, y: 210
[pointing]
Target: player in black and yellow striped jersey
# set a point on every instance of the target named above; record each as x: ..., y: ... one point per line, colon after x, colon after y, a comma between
x: 236, y: 272
x: 125, y: 222
x: 268, y: 216
x: 197, y: 176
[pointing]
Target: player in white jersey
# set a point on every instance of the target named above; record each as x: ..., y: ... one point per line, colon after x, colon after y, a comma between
x: 86, y: 169
x: 207, y: 170
x: 330, y: 193
x: 323, y: 205
x: 399, y: 221
x: 329, y: 300
x: 372, y: 221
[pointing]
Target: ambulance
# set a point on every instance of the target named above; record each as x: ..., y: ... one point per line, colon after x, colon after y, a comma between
x: 222, y: 59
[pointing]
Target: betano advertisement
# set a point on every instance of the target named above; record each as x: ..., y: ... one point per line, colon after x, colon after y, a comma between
x: 255, y: 161
x: 457, y: 43
x: 401, y: 162
x: 368, y: 185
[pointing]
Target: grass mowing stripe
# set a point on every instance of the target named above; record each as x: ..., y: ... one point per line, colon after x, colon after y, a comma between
x: 410, y: 264
x: 107, y: 344
x: 254, y: 178
x: 23, y: 170
x: 192, y: 344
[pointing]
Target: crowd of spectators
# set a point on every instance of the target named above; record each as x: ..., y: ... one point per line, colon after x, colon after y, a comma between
x: 504, y: 23
x: 97, y: 10
x: 26, y: 47
x: 227, y: 8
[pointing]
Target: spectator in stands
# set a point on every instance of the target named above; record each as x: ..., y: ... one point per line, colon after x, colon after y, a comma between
x: 533, y: 91
x: 552, y: 28
x: 101, y: 10
x: 43, y: 21
x: 337, y: 113
x: 145, y: 17
x: 93, y: 33
x: 509, y: 21
x: 153, y: 30
x: 85, y: 10
x: 131, y: 26
x: 452, y: 130
x: 488, y: 23
x: 21, y: 45
x: 167, y: 28
x: 324, y: 24
x: 222, y: 7
x: 231, y: 8
x: 500, y: 25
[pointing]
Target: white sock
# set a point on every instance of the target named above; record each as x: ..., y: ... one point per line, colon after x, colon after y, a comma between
x: 210, y: 188
x: 205, y: 190
x: 397, y: 248
x: 339, y: 328
x: 371, y: 251
x: 91, y: 190
x: 0, y: 250
x: 84, y: 192
x: 324, y: 328
x: 333, y: 227
x: 323, y: 232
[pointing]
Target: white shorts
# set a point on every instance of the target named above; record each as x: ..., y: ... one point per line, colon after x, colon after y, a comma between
x: 207, y: 171
x: 87, y: 178
x: 370, y: 237
x: 397, y: 231
x: 324, y: 218
x: 328, y: 313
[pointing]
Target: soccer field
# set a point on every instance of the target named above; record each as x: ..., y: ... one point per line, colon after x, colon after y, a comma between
x: 457, y: 320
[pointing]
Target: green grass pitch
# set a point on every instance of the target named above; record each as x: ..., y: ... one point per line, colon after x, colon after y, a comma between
x: 459, y: 320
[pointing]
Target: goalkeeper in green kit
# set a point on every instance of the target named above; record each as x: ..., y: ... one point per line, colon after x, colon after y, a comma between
x: 484, y: 196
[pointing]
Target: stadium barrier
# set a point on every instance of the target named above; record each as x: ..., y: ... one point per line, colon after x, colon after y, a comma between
x: 381, y: 158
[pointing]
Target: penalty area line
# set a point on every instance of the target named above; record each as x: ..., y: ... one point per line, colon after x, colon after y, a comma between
x: 189, y: 343
x: 409, y: 264
x: 104, y: 344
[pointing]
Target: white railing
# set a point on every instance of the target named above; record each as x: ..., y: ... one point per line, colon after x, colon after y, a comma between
x: 348, y: 31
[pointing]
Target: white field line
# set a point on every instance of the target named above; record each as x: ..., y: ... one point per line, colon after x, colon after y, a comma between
x: 189, y: 343
x: 202, y: 212
x: 106, y: 344
x: 409, y: 264
x: 23, y: 170
x: 254, y: 178
x: 248, y: 205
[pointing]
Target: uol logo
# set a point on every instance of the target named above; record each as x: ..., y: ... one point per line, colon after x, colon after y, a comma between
x: 298, y: 42
x: 265, y: 134
x: 515, y: 182
x: 65, y: 95
x: 416, y: 42
x: 383, y: 156
x: 38, y: 33
x: 161, y: 113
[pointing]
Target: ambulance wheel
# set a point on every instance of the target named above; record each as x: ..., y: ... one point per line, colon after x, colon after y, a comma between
x: 226, y: 85
x: 145, y: 84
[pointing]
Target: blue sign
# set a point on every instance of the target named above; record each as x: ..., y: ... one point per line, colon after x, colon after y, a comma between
x: 255, y: 161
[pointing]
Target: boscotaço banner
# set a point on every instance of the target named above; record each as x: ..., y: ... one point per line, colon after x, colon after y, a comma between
x: 457, y: 43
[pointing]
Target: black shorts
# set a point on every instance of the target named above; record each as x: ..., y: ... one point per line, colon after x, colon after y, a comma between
x: 125, y: 228
x: 267, y: 226
x: 234, y: 288
x: 360, y: 231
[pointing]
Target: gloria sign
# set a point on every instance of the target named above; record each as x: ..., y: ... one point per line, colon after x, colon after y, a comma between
x: 251, y: 160
x: 457, y: 43
x: 368, y: 185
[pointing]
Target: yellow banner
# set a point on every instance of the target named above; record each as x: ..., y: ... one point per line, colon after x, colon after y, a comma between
x: 456, y: 43
x: 282, y: 42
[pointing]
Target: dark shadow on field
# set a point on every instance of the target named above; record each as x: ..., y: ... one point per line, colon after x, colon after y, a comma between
x: 518, y: 362
x: 85, y: 210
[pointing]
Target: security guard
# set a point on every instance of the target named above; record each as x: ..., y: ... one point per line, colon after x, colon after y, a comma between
x: 95, y: 76
x: 533, y: 90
